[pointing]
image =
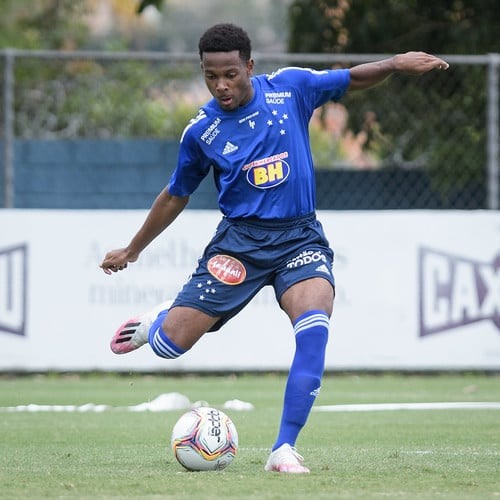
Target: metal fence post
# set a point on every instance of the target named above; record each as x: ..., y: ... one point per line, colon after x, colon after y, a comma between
x: 493, y: 128
x: 8, y: 140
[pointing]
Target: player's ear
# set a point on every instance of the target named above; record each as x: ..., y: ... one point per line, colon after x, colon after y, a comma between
x: 250, y: 64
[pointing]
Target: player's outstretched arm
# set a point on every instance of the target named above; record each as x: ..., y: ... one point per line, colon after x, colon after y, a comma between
x: 163, y: 212
x: 414, y: 63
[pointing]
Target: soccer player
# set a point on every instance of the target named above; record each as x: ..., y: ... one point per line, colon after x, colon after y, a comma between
x: 253, y: 134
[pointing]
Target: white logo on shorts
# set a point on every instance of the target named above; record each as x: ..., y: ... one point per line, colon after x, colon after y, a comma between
x: 304, y: 258
x: 323, y: 269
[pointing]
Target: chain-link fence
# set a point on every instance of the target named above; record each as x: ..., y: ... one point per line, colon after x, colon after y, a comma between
x: 411, y: 142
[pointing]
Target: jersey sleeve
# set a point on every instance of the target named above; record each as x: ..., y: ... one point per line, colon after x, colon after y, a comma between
x: 192, y: 167
x: 321, y: 86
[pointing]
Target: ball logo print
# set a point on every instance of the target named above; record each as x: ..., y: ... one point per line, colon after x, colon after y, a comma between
x: 204, y: 439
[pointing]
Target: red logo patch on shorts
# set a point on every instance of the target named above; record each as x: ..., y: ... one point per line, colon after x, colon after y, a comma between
x: 227, y: 269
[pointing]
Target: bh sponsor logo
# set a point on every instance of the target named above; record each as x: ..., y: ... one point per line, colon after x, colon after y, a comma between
x: 456, y: 291
x: 13, y: 289
x: 227, y: 269
x: 268, y: 172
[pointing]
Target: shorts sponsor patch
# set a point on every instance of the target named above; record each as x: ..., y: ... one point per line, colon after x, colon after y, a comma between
x: 227, y: 269
x: 308, y: 257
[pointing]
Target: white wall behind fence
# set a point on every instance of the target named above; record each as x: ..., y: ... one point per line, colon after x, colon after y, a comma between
x: 416, y: 290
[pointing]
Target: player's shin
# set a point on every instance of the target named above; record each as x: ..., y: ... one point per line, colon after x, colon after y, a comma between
x: 306, y: 371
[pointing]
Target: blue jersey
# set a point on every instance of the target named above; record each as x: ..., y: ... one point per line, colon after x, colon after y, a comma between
x: 259, y: 153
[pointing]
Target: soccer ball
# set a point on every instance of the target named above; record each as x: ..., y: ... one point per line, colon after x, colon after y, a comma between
x: 204, y: 439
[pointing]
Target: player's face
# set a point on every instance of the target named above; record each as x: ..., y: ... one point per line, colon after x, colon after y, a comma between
x: 227, y: 77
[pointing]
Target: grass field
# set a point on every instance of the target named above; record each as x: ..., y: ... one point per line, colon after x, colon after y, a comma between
x: 452, y: 454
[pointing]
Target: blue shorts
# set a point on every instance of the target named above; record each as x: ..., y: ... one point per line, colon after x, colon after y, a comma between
x: 246, y: 255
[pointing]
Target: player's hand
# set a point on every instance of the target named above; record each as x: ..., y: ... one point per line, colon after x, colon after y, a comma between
x: 116, y: 260
x: 416, y: 63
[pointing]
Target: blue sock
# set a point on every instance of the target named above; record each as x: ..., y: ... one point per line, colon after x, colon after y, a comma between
x: 304, y: 378
x: 162, y: 346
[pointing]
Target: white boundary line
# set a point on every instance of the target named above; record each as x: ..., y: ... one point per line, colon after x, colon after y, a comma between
x: 409, y: 406
x: 93, y: 408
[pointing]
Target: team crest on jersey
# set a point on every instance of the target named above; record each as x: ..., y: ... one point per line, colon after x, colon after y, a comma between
x: 227, y: 269
x: 268, y: 172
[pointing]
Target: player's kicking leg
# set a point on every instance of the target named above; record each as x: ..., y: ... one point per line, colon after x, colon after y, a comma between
x: 134, y: 333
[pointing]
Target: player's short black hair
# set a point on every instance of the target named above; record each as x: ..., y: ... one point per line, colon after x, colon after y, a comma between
x: 226, y: 37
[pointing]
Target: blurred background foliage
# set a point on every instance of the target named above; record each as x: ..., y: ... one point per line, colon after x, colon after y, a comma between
x: 412, y: 134
x: 390, y: 125
x: 443, y: 26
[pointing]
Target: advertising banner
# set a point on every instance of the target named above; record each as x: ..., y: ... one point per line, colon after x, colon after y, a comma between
x: 416, y: 290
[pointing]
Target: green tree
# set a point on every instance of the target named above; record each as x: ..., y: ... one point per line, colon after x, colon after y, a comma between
x: 147, y: 3
x: 435, y: 121
x: 347, y: 26
x: 43, y: 24
x: 69, y: 98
